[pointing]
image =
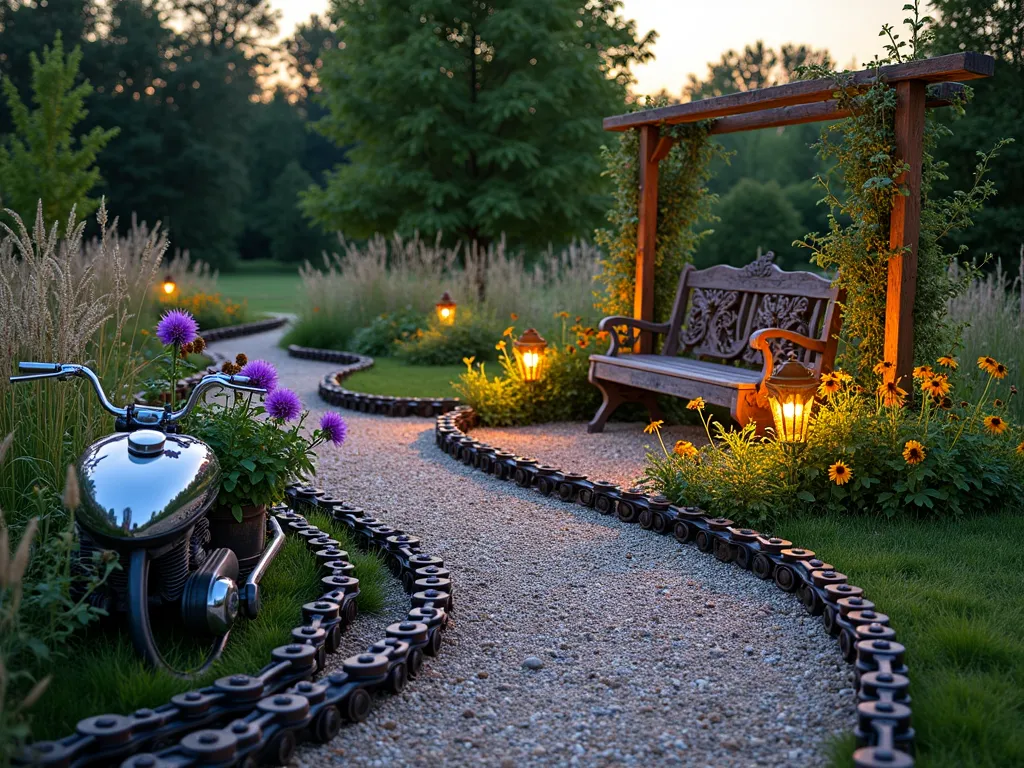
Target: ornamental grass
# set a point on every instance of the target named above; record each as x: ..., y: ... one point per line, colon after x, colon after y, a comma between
x: 871, y: 449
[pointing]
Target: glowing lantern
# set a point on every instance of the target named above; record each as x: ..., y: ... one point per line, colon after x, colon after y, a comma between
x: 791, y: 389
x: 169, y: 285
x: 529, y: 349
x: 446, y: 309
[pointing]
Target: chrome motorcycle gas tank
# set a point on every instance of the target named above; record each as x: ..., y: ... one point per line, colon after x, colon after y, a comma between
x: 145, y: 487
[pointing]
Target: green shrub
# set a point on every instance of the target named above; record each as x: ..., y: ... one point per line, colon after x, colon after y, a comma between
x: 472, y: 335
x: 379, y: 337
x: 562, y: 394
x: 211, y: 310
x: 867, y: 452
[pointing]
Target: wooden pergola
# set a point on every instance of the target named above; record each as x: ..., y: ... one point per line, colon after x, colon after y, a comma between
x: 919, y: 85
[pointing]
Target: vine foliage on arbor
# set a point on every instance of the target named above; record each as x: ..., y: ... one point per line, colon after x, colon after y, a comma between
x: 684, y: 206
x: 861, y: 188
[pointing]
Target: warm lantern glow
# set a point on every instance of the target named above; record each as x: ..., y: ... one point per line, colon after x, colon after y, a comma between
x: 446, y: 309
x: 529, y: 349
x: 169, y: 285
x: 791, y: 389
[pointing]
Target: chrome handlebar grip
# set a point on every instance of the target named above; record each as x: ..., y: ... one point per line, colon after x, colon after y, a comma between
x: 64, y: 370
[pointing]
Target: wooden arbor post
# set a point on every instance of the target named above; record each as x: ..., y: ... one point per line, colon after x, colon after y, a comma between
x: 919, y: 85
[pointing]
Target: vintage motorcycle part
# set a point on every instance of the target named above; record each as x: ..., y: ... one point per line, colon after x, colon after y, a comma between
x: 146, y: 491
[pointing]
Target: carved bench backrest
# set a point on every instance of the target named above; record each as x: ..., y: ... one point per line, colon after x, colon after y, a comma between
x: 718, y: 308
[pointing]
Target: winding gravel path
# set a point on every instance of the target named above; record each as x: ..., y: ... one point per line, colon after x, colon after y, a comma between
x: 645, y: 651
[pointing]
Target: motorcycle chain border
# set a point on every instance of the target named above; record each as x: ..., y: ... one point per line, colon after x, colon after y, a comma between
x: 254, y: 720
x: 883, y: 731
x: 384, y: 405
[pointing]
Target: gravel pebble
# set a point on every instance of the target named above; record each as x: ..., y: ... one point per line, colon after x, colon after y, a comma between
x: 637, y: 668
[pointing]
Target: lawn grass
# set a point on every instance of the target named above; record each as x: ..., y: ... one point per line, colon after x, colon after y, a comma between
x: 954, y: 590
x: 266, y: 286
x: 389, y: 376
x: 101, y: 673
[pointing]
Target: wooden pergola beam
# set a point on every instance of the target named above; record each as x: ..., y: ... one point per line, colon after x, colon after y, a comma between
x: 955, y: 67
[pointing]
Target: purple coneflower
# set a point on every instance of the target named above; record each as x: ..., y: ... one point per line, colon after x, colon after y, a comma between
x: 261, y: 374
x: 333, y: 427
x: 283, y: 404
x: 177, y: 327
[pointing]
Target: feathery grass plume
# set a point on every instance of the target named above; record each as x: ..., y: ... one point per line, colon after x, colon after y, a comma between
x: 72, y: 494
x: 19, y: 562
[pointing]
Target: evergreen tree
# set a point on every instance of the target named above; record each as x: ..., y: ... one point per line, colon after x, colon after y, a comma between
x: 43, y: 160
x: 473, y: 117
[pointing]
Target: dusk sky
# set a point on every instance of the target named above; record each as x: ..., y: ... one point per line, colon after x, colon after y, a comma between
x: 693, y: 32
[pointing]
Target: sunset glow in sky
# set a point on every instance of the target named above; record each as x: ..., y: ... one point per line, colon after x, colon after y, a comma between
x: 693, y: 32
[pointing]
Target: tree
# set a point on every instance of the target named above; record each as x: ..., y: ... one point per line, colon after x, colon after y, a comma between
x: 753, y: 216
x: 43, y: 160
x: 995, y: 27
x: 756, y: 67
x: 473, y: 117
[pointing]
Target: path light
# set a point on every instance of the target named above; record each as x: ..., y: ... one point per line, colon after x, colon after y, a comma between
x: 791, y: 389
x: 446, y: 309
x: 169, y: 285
x: 529, y: 349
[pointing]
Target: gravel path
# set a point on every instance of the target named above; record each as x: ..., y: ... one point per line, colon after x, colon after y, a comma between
x: 578, y: 640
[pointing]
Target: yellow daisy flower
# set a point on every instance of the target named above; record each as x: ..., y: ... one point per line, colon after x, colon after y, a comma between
x: 914, y: 452
x: 685, y: 448
x: 1020, y: 448
x: 653, y: 427
x: 892, y: 394
x: 884, y: 366
x: 500, y: 345
x: 948, y: 361
x: 996, y: 424
x: 987, y: 364
x: 509, y: 331
x: 936, y: 385
x: 697, y: 404
x: 922, y: 371
x: 839, y: 473
x: 830, y: 384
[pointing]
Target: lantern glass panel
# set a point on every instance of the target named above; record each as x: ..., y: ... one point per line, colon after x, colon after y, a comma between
x: 791, y: 391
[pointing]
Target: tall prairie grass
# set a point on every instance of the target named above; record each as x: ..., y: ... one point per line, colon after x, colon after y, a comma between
x: 362, y: 281
x: 992, y: 313
x: 64, y: 299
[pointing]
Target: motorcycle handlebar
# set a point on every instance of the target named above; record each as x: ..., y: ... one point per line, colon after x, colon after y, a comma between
x: 64, y: 370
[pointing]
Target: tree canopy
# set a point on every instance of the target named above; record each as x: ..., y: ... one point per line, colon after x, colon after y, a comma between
x: 473, y: 118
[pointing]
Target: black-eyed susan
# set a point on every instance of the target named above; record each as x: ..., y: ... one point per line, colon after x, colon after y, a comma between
x: 653, y: 427
x: 1000, y: 371
x: 892, y: 394
x: 923, y: 371
x: 914, y: 452
x: 946, y: 403
x: 697, y: 404
x: 948, y: 361
x: 995, y: 424
x: 987, y: 364
x: 936, y: 385
x: 1020, y: 448
x: 883, y: 367
x: 839, y: 473
x: 510, y: 331
x: 685, y: 448
x: 830, y: 384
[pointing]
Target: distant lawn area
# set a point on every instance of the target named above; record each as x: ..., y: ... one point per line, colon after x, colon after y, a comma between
x: 954, y: 592
x: 267, y: 286
x: 393, y: 377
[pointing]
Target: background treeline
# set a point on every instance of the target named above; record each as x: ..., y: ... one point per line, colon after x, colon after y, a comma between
x: 465, y: 117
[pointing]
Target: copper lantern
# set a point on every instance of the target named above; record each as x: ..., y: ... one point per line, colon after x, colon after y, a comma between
x: 529, y: 350
x: 446, y: 309
x: 791, y: 389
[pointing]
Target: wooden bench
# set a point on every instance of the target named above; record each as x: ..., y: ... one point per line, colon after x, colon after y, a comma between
x: 730, y: 322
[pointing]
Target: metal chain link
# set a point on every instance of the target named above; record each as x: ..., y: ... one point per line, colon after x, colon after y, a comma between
x: 258, y: 719
x: 884, y: 734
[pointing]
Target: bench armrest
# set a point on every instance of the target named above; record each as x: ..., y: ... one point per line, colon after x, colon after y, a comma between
x: 609, y: 324
x: 759, y: 341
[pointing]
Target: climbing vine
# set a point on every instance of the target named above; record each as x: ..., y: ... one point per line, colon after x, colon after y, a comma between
x: 861, y: 188
x: 684, y: 206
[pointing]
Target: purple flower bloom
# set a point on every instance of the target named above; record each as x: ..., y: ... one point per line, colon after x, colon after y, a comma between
x: 177, y: 327
x: 261, y: 374
x: 333, y: 427
x: 283, y: 404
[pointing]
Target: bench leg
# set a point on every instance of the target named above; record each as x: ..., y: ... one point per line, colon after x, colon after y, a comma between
x: 612, y: 399
x: 649, y: 400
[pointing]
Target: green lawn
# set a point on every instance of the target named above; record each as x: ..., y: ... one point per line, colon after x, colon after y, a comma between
x: 954, y: 590
x: 389, y: 376
x: 265, y: 285
x: 105, y: 675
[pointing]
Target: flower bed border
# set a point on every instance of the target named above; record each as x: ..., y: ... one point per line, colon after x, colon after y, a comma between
x: 243, y: 329
x: 332, y: 392
x: 258, y: 719
x: 883, y: 731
